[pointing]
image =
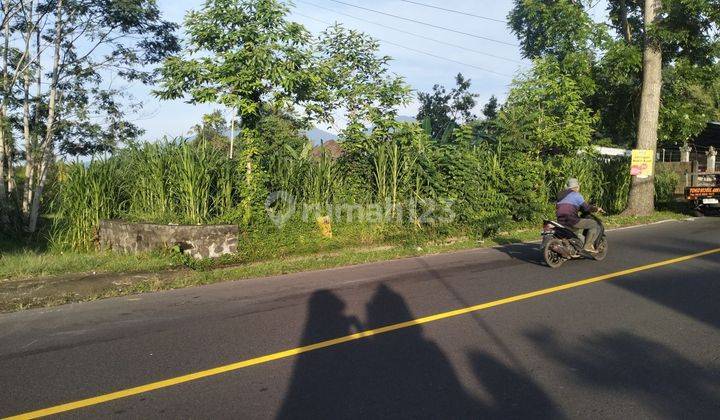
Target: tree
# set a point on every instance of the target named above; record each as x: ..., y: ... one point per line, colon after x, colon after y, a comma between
x: 545, y: 114
x: 689, y: 100
x: 490, y: 110
x: 357, y: 80
x: 243, y: 54
x: 552, y: 27
x: 213, y: 130
x: 248, y: 56
x: 641, y: 199
x: 444, y: 110
x: 59, y: 53
x: 621, y: 71
x: 487, y: 128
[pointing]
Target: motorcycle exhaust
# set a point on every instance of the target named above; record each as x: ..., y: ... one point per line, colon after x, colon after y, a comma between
x: 559, y: 249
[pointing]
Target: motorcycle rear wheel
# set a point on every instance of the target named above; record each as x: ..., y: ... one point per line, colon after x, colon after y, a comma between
x: 552, y: 258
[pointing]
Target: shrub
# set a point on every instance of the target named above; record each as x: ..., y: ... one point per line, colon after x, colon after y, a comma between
x: 665, y: 184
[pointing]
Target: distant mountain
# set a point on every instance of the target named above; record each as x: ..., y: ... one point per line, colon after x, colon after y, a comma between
x: 405, y: 118
x: 317, y: 135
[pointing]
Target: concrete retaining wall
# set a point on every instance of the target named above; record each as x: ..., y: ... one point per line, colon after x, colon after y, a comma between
x: 208, y: 241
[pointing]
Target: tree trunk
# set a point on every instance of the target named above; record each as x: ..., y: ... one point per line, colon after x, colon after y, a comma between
x: 3, y: 109
x: 10, y: 157
x: 27, y: 135
x: 641, y: 200
x: 47, y: 147
x: 624, y: 22
x: 30, y: 153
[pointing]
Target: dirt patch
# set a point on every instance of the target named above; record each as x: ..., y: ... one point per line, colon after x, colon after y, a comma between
x: 53, y: 290
x: 57, y: 290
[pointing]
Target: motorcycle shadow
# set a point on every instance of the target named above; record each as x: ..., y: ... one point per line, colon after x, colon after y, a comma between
x: 527, y: 252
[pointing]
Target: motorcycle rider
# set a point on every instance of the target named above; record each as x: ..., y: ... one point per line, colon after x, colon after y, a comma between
x: 570, y: 201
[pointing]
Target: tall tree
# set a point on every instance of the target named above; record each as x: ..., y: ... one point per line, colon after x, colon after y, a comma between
x: 545, y: 114
x: 490, y: 110
x: 76, y: 46
x: 444, y: 110
x: 248, y: 56
x: 641, y: 200
x: 622, y: 73
x: 551, y: 27
x: 9, y: 10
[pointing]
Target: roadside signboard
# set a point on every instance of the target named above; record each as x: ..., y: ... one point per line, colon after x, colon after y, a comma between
x: 692, y: 193
x: 641, y: 163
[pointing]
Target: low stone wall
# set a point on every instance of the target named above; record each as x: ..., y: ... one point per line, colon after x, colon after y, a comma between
x: 201, y: 241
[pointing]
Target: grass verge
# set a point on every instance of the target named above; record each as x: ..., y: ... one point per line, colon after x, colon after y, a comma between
x: 31, y: 278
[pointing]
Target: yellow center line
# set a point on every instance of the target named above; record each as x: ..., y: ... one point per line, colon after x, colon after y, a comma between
x: 340, y: 340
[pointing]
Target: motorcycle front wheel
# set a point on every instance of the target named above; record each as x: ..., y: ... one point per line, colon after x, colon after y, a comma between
x: 552, y: 258
x: 602, y: 249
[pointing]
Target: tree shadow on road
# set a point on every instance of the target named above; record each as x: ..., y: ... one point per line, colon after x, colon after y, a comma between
x: 399, y: 374
x: 514, y: 395
x: 691, y: 292
x: 646, y: 371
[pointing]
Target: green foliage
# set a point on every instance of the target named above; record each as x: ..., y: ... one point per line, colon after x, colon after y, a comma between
x: 444, y: 110
x: 545, y: 113
x: 689, y: 101
x: 354, y: 77
x: 213, y: 130
x: 551, y: 27
x: 608, y: 66
x: 618, y: 96
x: 89, y: 193
x: 249, y: 56
x: 523, y: 182
x: 616, y: 174
x: 665, y: 184
x: 407, y: 173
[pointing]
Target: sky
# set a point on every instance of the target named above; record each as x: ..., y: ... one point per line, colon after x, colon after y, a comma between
x: 413, y: 57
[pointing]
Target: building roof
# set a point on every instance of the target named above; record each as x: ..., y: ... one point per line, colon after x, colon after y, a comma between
x: 708, y: 137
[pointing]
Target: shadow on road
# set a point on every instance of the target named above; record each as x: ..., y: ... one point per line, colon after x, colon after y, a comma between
x: 397, y: 374
x: 526, y: 252
x: 691, y: 291
x: 644, y: 370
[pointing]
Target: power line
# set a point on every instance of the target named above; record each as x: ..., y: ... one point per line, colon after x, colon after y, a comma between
x: 447, y: 59
x: 425, y: 23
x: 417, y: 51
x: 411, y: 33
x: 454, y: 11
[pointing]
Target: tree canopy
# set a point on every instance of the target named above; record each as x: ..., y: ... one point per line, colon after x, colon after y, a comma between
x: 443, y: 111
x: 606, y: 58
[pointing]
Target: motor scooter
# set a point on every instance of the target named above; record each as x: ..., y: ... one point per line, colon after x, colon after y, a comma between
x: 561, y: 243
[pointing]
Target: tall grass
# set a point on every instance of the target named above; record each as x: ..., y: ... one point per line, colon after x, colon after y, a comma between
x: 190, y: 182
x: 89, y: 193
x: 150, y: 184
x: 193, y: 172
x: 312, y: 176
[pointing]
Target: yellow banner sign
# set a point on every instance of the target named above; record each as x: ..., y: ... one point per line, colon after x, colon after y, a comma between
x: 641, y: 163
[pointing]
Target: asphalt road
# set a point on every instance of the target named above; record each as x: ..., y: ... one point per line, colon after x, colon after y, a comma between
x: 632, y: 345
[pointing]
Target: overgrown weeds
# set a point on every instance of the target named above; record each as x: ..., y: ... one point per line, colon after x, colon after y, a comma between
x: 483, y: 186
